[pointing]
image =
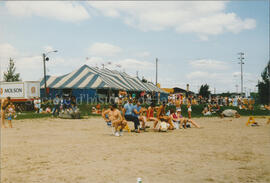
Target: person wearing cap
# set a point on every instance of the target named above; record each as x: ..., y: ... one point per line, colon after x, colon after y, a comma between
x: 128, y: 115
x: 162, y: 117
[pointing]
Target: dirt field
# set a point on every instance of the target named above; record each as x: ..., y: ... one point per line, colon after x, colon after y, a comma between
x: 57, y: 150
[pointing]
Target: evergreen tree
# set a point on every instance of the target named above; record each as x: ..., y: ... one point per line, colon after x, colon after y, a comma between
x: 204, y: 91
x: 10, y: 75
x: 263, y: 86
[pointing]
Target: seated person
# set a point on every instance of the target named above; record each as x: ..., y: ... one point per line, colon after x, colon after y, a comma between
x: 230, y: 113
x: 150, y: 114
x: 175, y: 119
x: 206, y: 112
x: 186, y: 120
x: 94, y: 110
x: 98, y: 111
x: 67, y: 103
x: 162, y: 117
x: 267, y: 107
x: 128, y: 115
x: 116, y: 119
x: 48, y: 110
x: 250, y: 107
x: 216, y: 107
x: 138, y: 112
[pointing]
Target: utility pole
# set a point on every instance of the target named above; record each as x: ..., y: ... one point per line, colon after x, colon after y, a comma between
x: 156, y: 71
x: 137, y: 74
x: 241, y: 58
x: 44, y: 66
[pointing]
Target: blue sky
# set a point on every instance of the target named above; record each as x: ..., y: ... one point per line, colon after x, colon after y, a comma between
x: 196, y: 42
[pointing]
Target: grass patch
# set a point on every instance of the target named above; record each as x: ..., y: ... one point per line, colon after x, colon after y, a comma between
x: 86, y: 111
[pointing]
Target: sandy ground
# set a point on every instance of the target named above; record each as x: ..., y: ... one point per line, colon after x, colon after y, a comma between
x: 57, y: 150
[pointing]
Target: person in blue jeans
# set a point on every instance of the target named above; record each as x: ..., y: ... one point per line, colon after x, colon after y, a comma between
x: 137, y: 111
x: 128, y: 114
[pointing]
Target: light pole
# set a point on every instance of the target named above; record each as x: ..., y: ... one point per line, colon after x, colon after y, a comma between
x: 45, y: 58
x: 156, y: 71
x: 241, y: 58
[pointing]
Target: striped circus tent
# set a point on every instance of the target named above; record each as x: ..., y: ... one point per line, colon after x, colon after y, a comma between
x: 93, y: 78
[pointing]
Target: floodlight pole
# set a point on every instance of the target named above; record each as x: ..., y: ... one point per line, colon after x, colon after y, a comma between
x: 241, y: 58
x: 44, y: 67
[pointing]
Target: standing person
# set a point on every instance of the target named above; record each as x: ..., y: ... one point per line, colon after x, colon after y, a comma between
x: 56, y: 103
x: 128, y: 111
x: 37, y: 104
x: 4, y: 104
x: 115, y: 118
x: 10, y: 112
x: 178, y: 104
x: 162, y: 117
x: 189, y: 109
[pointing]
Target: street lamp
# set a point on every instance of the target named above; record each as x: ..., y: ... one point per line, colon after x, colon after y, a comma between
x: 45, y: 58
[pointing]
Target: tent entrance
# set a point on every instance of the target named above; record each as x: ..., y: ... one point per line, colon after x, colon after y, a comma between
x: 67, y: 92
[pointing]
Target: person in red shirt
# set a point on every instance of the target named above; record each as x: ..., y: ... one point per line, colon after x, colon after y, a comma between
x: 150, y: 115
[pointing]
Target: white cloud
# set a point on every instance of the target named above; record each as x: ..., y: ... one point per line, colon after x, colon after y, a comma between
x: 95, y: 61
x: 104, y: 49
x: 136, y: 64
x: 48, y: 48
x: 143, y: 54
x: 222, y: 81
x: 60, y: 10
x: 201, y: 18
x: 7, y: 51
x: 209, y: 64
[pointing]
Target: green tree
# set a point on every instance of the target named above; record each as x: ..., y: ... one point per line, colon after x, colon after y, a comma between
x: 10, y: 75
x: 204, y: 91
x: 263, y: 86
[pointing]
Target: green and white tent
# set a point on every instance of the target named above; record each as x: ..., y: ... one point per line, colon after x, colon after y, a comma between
x: 94, y: 78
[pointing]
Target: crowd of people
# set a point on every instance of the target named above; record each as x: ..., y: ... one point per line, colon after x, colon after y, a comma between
x: 127, y: 107
x: 63, y: 104
x: 118, y: 115
x: 236, y: 101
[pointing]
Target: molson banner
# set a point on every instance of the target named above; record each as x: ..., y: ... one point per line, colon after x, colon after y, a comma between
x: 12, y: 90
x: 20, y: 90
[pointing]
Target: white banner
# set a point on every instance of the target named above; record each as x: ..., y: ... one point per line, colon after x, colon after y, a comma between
x: 33, y: 90
x: 12, y: 90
